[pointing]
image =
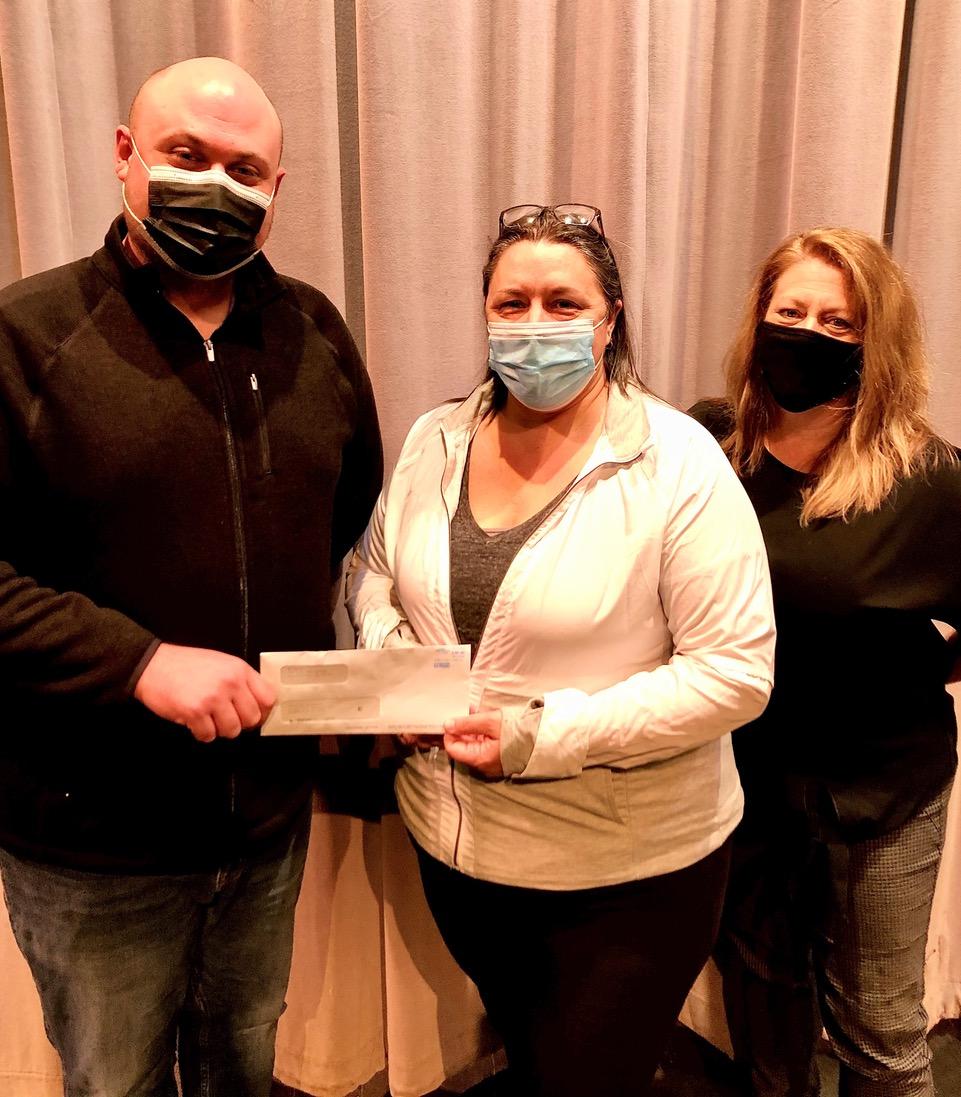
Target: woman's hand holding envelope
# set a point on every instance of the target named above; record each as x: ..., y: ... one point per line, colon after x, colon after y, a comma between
x: 475, y: 741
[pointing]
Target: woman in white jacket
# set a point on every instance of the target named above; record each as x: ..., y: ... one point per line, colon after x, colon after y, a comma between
x: 594, y: 548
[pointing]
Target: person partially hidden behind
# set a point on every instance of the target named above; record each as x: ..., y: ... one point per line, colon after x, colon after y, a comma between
x: 188, y: 448
x: 594, y: 548
x: 847, y: 773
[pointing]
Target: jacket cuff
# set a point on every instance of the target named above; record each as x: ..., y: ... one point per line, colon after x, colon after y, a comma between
x: 402, y: 636
x: 376, y: 625
x: 142, y: 665
x: 519, y: 728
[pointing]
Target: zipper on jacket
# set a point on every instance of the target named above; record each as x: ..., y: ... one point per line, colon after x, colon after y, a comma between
x: 450, y: 615
x: 454, y: 633
x: 240, y: 541
x: 460, y: 811
x: 261, y: 426
x: 236, y: 498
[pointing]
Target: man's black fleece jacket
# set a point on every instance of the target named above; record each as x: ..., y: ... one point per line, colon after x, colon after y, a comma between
x: 154, y: 487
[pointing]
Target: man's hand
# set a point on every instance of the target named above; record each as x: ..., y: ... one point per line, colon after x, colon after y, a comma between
x: 475, y: 740
x: 211, y: 693
x: 954, y: 649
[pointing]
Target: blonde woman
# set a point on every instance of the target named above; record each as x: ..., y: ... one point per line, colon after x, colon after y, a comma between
x: 847, y: 773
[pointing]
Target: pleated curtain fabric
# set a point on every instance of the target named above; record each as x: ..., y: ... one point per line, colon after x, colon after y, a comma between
x: 704, y: 129
x: 927, y: 197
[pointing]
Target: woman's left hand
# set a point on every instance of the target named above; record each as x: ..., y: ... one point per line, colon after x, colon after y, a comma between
x: 475, y: 741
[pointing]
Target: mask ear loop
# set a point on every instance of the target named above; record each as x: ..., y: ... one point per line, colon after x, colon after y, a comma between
x: 610, y: 336
x: 600, y: 361
x: 123, y: 185
x: 133, y: 145
x: 126, y: 204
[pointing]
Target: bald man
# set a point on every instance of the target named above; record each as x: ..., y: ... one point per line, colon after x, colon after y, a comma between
x: 188, y: 448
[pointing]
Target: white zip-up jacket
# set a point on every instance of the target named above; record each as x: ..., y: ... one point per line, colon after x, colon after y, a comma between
x: 631, y: 634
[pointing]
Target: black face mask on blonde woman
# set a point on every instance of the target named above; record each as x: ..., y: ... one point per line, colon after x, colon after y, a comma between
x: 803, y: 368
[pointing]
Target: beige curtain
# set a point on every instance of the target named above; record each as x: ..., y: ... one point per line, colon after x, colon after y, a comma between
x: 704, y: 129
x: 927, y: 222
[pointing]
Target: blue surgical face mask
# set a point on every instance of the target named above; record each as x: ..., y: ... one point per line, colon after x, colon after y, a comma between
x: 544, y: 365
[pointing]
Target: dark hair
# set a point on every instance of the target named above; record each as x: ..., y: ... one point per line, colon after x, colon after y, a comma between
x: 620, y: 359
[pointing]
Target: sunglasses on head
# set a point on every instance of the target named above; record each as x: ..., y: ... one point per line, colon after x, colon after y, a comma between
x: 587, y: 217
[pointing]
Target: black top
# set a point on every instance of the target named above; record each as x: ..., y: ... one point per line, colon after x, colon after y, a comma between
x: 859, y: 721
x: 157, y: 488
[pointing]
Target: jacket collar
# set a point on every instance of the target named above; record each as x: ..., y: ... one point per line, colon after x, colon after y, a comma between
x: 254, y: 285
x: 626, y: 426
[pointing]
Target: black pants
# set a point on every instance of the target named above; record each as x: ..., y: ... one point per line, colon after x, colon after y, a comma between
x: 583, y: 986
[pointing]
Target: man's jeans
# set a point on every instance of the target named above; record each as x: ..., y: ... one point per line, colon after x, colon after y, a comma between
x: 135, y: 971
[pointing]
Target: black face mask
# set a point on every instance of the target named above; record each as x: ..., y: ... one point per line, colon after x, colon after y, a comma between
x: 803, y: 368
x: 203, y: 230
x: 201, y: 223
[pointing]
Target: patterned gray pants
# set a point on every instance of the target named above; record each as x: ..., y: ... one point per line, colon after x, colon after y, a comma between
x: 820, y: 931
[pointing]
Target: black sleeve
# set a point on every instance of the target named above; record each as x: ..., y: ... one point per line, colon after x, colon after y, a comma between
x: 54, y: 642
x: 715, y: 414
x: 362, y: 460
x: 59, y: 642
x: 362, y: 469
x: 940, y: 540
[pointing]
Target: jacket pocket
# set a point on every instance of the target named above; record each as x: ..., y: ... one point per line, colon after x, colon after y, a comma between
x: 262, y: 435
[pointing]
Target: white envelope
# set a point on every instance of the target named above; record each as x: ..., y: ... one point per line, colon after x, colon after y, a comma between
x: 387, y: 692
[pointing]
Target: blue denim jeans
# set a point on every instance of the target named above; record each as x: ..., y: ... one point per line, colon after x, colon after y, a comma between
x: 135, y: 972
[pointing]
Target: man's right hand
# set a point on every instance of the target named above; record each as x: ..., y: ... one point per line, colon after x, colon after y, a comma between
x: 210, y: 692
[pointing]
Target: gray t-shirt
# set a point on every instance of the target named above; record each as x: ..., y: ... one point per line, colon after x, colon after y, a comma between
x: 479, y: 560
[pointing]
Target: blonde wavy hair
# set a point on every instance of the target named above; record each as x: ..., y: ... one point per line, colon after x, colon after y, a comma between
x: 885, y: 435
